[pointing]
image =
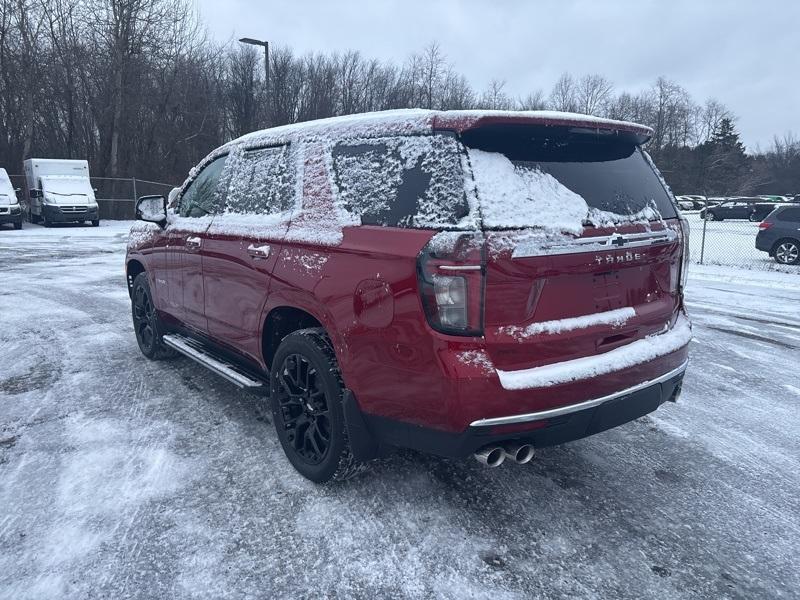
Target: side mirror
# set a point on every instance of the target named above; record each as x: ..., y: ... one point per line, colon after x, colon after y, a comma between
x: 36, y: 193
x: 94, y: 190
x: 152, y: 209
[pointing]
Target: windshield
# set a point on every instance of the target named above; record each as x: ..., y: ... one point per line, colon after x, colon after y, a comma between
x: 67, y: 186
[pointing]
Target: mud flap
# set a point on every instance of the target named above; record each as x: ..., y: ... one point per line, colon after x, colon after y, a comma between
x: 362, y: 443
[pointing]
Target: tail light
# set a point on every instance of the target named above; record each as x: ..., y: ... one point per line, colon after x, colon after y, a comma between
x: 451, y: 272
x: 764, y: 225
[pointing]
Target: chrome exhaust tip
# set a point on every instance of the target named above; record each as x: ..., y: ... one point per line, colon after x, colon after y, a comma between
x: 491, y: 456
x: 519, y: 453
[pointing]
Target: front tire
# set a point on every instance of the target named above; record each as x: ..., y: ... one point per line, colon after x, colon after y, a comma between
x: 18, y: 225
x: 96, y: 223
x: 753, y: 218
x: 787, y: 252
x: 146, y: 322
x: 306, y: 399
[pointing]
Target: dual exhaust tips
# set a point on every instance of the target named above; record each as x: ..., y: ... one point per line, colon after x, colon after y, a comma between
x: 493, y: 456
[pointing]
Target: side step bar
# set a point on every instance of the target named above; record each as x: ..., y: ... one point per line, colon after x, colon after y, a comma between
x: 212, y: 361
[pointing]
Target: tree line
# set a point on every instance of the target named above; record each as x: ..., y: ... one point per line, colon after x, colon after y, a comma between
x: 137, y: 87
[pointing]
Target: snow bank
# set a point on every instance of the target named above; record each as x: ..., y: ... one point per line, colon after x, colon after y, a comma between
x: 612, y: 317
x: 635, y: 353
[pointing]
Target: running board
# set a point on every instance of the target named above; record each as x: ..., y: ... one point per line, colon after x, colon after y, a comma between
x: 212, y: 361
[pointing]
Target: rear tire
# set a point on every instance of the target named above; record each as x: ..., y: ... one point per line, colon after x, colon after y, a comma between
x: 787, y: 252
x: 711, y: 217
x: 753, y: 218
x: 306, y: 399
x: 146, y: 322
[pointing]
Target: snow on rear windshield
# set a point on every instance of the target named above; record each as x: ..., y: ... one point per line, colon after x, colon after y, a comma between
x: 408, y: 181
x: 558, y: 179
x: 514, y: 197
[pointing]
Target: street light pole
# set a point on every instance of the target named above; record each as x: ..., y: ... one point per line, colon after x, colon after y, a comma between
x: 265, y: 45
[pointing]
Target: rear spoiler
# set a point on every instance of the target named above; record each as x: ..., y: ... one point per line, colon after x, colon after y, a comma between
x: 461, y: 121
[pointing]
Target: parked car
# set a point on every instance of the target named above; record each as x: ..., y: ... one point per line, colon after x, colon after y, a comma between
x: 766, y: 206
x: 462, y: 283
x: 699, y: 202
x: 779, y: 234
x: 10, y: 211
x: 59, y: 191
x: 685, y: 203
x: 730, y: 208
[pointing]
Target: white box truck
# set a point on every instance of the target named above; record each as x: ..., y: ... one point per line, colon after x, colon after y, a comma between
x: 59, y: 191
x: 10, y: 211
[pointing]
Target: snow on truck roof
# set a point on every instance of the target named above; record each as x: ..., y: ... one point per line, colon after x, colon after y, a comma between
x: 417, y: 121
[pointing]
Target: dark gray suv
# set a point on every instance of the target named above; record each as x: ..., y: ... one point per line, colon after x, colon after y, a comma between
x: 779, y: 234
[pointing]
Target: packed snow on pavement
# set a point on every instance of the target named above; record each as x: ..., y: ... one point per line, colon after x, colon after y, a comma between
x: 121, y: 477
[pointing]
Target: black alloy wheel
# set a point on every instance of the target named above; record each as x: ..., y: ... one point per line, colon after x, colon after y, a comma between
x: 304, y: 409
x: 306, y: 392
x: 146, y: 322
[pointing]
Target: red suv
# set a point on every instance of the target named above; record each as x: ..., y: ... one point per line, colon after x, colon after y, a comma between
x: 467, y: 282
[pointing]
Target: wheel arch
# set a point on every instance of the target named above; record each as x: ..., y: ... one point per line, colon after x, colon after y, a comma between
x: 133, y: 268
x: 279, y: 322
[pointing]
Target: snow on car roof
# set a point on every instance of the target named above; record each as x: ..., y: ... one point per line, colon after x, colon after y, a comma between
x: 411, y: 121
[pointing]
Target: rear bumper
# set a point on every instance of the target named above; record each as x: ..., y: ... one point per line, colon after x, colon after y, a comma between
x: 467, y: 403
x: 543, y: 428
x: 765, y: 241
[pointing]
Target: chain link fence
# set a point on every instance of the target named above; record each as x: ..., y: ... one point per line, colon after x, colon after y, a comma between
x: 116, y: 196
x: 730, y: 243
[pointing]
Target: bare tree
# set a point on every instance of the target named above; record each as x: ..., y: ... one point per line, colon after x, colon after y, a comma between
x: 592, y: 94
x: 564, y: 94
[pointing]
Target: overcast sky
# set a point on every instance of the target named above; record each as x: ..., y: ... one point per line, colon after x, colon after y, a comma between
x: 746, y: 53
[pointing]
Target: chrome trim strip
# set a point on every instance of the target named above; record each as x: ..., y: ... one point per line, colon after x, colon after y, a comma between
x: 571, y: 408
x: 596, y: 244
x: 460, y: 267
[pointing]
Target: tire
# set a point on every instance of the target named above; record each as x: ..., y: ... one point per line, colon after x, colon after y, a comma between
x: 306, y: 400
x: 753, y: 218
x: 146, y: 322
x: 787, y: 252
x: 18, y: 225
x: 96, y: 223
x: 45, y: 222
x: 711, y: 217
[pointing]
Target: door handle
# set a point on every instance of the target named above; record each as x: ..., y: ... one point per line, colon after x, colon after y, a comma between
x: 193, y: 243
x: 258, y: 251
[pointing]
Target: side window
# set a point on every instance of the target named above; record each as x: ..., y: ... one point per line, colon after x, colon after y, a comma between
x: 407, y: 181
x: 791, y: 215
x: 261, y: 182
x: 204, y: 196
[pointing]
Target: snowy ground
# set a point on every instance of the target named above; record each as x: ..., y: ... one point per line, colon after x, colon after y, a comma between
x: 121, y: 477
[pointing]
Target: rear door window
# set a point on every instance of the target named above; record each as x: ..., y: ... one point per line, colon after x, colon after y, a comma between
x: 405, y: 181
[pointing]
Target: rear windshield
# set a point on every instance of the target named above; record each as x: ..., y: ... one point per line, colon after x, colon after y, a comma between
x: 611, y: 174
